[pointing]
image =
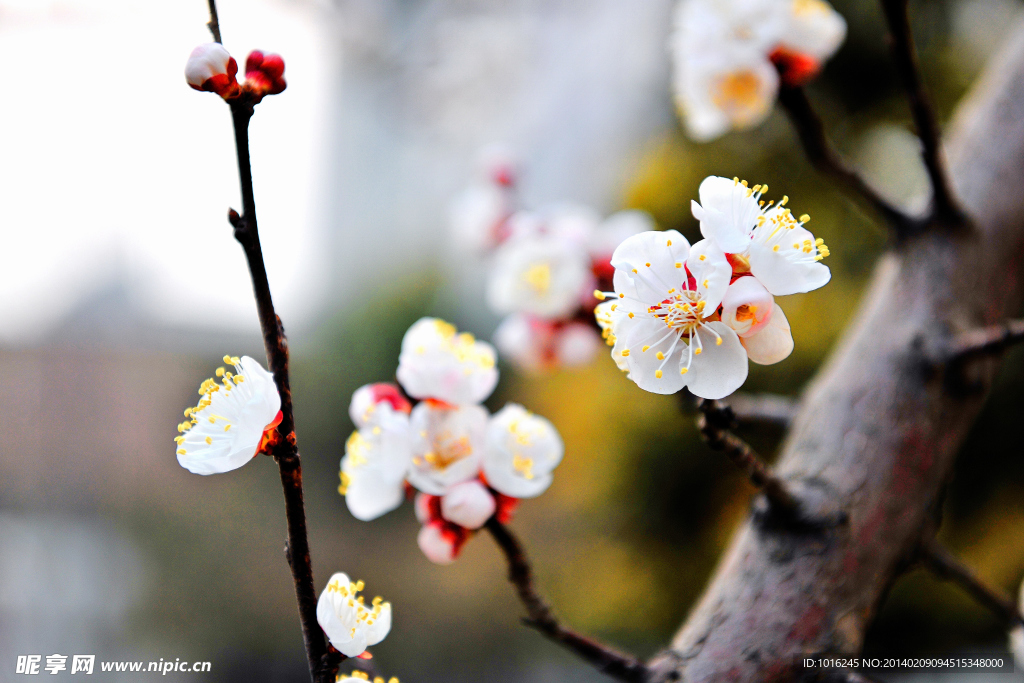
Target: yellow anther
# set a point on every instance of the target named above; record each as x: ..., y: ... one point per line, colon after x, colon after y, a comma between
x: 684, y: 371
x: 657, y: 374
x: 644, y: 349
x: 785, y: 198
x: 804, y: 218
x: 697, y: 352
x: 718, y: 341
x: 181, y: 451
x: 227, y: 359
x: 775, y: 248
x: 764, y: 188
x: 648, y: 265
x: 660, y: 355
x: 703, y: 257
x: 743, y: 183
x: 630, y: 315
x: 669, y: 243
x: 209, y: 440
x: 220, y: 372
x: 614, y: 306
x: 678, y: 264
x: 599, y: 295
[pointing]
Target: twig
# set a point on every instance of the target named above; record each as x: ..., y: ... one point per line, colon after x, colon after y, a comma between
x: 987, y: 340
x: 947, y: 566
x: 214, y: 23
x: 607, y: 660
x: 945, y: 208
x: 715, y: 420
x: 771, y: 408
x: 284, y: 450
x: 824, y: 157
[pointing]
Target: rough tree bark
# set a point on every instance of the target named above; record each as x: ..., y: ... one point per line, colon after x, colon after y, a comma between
x: 880, y: 426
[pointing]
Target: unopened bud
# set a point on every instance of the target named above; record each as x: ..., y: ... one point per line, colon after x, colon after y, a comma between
x: 264, y: 74
x: 468, y: 504
x: 441, y: 542
x: 211, y: 68
x: 367, y: 397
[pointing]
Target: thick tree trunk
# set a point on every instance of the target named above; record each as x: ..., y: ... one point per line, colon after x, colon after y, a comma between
x: 880, y: 427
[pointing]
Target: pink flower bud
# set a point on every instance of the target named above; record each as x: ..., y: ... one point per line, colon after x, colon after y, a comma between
x: 211, y: 68
x: 427, y: 508
x: 367, y: 397
x: 441, y: 542
x: 468, y: 504
x: 264, y: 74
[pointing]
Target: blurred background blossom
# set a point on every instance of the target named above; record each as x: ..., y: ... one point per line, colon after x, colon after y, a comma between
x: 122, y: 287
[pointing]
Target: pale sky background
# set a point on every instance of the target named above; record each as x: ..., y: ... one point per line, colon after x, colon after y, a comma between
x: 111, y: 166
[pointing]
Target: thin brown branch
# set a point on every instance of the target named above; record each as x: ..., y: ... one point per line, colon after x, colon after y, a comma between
x: 824, y: 157
x: 945, y: 209
x: 947, y: 566
x: 987, y: 340
x: 770, y: 408
x: 605, y: 659
x: 715, y: 420
x: 214, y: 23
x: 285, y: 450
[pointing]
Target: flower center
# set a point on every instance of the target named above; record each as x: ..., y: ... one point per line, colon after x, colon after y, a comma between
x: 681, y: 312
x: 738, y: 93
x: 538, y: 277
x: 447, y: 450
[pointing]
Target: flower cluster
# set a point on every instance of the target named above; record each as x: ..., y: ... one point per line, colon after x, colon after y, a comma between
x: 545, y: 264
x: 466, y: 464
x: 236, y: 418
x: 211, y: 68
x: 683, y: 316
x: 350, y: 625
x: 728, y: 56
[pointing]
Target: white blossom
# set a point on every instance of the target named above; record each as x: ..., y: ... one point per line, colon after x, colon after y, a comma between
x: 224, y: 431
x: 439, y: 363
x: 377, y: 459
x: 350, y: 625
x: 447, y: 444
x: 534, y: 344
x: 544, y: 275
x: 768, y: 242
x: 522, y: 450
x: 723, y: 51
x: 662, y: 316
x: 468, y: 504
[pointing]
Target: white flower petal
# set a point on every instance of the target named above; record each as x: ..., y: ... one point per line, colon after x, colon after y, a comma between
x: 438, y: 362
x: 649, y: 264
x: 814, y: 29
x: 771, y: 344
x: 730, y: 213
x: 576, y: 344
x: 711, y: 270
x: 522, y: 450
x: 653, y: 353
x: 782, y: 257
x: 720, y: 369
